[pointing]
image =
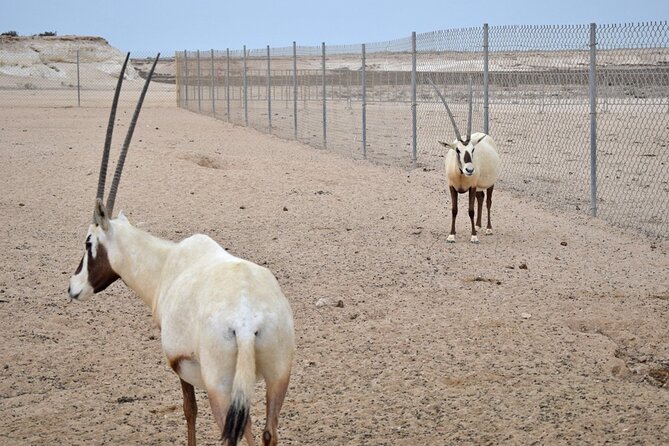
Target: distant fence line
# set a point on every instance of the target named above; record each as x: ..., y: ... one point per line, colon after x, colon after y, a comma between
x: 581, y: 113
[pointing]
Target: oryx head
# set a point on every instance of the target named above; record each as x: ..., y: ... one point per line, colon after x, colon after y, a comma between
x: 463, y: 147
x: 95, y: 272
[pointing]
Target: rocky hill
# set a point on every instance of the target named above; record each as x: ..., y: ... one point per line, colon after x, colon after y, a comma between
x: 52, y: 62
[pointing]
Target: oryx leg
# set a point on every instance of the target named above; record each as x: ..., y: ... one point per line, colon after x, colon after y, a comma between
x: 479, y: 209
x: 454, y: 213
x: 472, y: 197
x: 190, y: 410
x: 488, y: 203
x: 276, y: 392
x: 219, y: 407
x: 248, y: 433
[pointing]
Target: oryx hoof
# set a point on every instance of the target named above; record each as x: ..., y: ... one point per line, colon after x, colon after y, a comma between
x: 474, y: 239
x: 451, y: 238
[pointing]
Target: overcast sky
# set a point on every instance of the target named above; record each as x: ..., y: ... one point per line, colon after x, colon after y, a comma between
x: 147, y: 26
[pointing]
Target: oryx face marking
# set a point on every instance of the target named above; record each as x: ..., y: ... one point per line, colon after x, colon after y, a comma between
x: 465, y: 156
x: 94, y: 272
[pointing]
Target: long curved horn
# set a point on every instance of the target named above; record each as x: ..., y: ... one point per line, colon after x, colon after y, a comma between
x: 126, y: 144
x: 448, y: 110
x: 110, y: 129
x: 469, y: 119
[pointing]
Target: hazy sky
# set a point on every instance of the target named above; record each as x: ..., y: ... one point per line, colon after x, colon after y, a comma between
x: 167, y: 25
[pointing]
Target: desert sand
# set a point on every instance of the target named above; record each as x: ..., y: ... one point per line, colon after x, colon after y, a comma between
x: 551, y: 331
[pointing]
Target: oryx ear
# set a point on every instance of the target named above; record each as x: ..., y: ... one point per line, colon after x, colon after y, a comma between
x: 100, y: 216
x: 448, y: 145
x: 479, y: 139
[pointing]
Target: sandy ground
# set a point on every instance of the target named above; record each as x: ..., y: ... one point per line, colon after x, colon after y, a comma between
x: 551, y: 331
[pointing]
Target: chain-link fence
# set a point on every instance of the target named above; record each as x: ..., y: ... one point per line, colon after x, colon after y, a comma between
x: 580, y: 113
x: 68, y: 71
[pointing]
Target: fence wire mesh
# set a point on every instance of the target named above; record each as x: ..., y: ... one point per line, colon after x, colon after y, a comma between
x: 633, y: 125
x: 532, y: 92
x: 540, y: 94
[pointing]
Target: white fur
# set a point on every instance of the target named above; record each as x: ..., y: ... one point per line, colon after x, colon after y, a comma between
x: 224, y: 321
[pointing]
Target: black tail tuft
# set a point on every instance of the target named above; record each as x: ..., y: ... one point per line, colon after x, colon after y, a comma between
x: 235, y: 423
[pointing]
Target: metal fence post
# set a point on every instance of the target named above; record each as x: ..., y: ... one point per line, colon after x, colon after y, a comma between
x: 364, y: 104
x: 593, y: 119
x: 199, y: 84
x: 213, y: 96
x: 245, y: 92
x: 78, y: 83
x: 269, y: 91
x: 414, y: 139
x: 187, y: 81
x: 227, y: 80
x: 178, y: 78
x: 486, y: 80
x: 295, y: 88
x: 325, y: 134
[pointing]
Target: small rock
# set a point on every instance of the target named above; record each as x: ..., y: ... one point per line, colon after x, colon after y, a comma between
x: 340, y: 304
x: 322, y: 302
x: 525, y: 315
x: 563, y: 243
x: 523, y: 266
x: 285, y: 208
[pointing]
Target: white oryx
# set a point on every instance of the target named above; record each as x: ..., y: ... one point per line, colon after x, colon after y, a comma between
x: 224, y: 321
x: 471, y: 166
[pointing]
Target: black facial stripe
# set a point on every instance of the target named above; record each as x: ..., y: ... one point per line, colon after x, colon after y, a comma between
x: 100, y: 272
x: 81, y: 265
x: 468, y: 157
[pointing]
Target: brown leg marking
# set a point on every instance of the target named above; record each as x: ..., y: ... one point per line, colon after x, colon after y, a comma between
x: 489, y: 204
x: 190, y: 410
x: 454, y: 208
x: 472, y: 196
x: 479, y: 207
x: 276, y: 393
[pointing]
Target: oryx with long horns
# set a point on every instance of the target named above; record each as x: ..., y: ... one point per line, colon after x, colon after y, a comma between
x: 472, y: 163
x: 224, y: 321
